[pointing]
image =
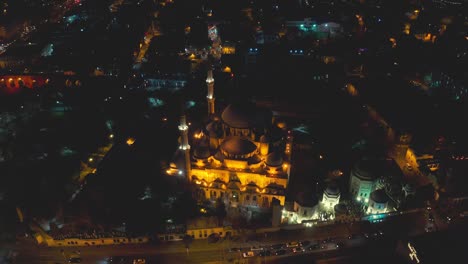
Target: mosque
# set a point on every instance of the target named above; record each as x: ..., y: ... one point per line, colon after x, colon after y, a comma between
x: 241, y: 155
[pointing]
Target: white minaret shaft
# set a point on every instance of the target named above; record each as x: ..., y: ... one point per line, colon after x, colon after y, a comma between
x: 183, y: 133
x: 210, y: 96
x: 184, y: 145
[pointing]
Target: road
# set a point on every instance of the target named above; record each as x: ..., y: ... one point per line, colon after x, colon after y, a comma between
x: 200, y: 251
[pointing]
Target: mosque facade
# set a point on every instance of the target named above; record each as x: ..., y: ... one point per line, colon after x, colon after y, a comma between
x: 241, y: 155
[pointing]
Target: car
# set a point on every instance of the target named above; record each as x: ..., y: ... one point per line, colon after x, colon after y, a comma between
x: 139, y: 261
x: 256, y: 248
x: 292, y: 244
x: 235, y: 249
x: 74, y: 259
x: 352, y: 236
x: 298, y: 250
x: 248, y: 254
x: 118, y: 259
x: 265, y: 253
x: 429, y: 229
x: 313, y: 247
x: 304, y: 243
x: 366, y: 235
x: 280, y: 252
x: 339, y: 245
x: 277, y: 246
x: 431, y: 217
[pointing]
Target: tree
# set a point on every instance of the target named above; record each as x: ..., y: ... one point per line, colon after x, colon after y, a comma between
x: 220, y: 210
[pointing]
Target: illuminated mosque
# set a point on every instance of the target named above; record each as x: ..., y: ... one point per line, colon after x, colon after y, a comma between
x: 240, y: 155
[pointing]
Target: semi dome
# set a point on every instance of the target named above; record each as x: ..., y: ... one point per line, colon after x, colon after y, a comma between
x: 255, y: 159
x: 213, y: 129
x: 274, y: 159
x: 238, y: 146
x: 332, y: 189
x: 379, y: 196
x: 202, y: 152
x: 219, y: 156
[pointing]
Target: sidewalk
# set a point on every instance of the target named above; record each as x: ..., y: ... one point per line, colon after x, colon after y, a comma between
x: 282, y: 236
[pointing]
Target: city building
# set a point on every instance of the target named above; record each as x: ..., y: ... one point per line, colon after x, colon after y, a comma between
x: 331, y: 197
x: 203, y: 227
x: 241, y: 156
x: 305, y: 208
x: 421, y: 161
x: 362, y: 180
x: 378, y: 202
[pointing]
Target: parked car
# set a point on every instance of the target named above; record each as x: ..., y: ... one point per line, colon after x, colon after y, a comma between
x: 298, y: 250
x: 248, y: 254
x: 265, y: 253
x: 292, y: 244
x: 313, y: 247
x: 118, y: 259
x: 339, y: 245
x: 280, y: 252
x: 74, y: 258
x: 277, y: 246
x: 304, y: 243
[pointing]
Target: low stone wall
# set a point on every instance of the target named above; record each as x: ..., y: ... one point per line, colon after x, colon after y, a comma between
x: 77, y: 242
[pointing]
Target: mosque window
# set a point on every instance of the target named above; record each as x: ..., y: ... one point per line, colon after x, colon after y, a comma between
x: 247, y: 197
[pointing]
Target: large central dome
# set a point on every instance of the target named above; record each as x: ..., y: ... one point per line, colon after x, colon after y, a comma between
x: 244, y: 114
x: 239, y: 115
x: 238, y: 146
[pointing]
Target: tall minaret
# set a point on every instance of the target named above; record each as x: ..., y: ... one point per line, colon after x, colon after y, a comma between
x: 184, y: 145
x: 210, y: 96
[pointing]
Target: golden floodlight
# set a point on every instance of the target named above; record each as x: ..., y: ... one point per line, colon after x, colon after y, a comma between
x: 130, y: 141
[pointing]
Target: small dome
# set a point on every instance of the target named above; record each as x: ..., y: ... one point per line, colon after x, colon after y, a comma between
x: 332, y: 189
x: 379, y: 196
x: 238, y: 146
x: 201, y: 152
x: 213, y: 129
x: 179, y: 159
x: 264, y: 139
x: 219, y: 156
x: 306, y: 199
x: 218, y: 180
x: 274, y: 159
x: 364, y: 169
x: 233, y: 185
x: 255, y: 159
x: 341, y: 209
x: 252, y: 184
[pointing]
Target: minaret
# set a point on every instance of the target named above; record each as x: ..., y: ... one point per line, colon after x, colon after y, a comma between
x: 184, y: 145
x: 210, y: 96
